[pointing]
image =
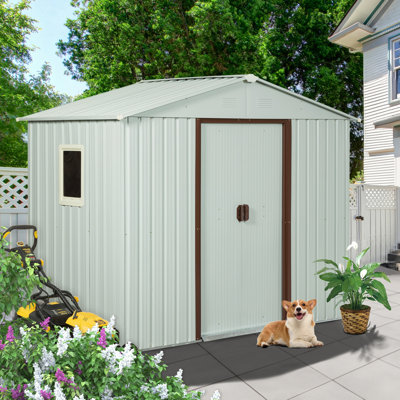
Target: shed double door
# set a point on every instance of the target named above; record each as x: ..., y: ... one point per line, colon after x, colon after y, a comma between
x: 241, y: 164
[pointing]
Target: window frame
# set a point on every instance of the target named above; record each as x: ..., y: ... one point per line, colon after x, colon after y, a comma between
x: 66, y: 200
x: 395, y: 95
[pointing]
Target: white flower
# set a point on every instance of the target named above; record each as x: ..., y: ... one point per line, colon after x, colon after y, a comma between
x: 363, y: 273
x: 62, y: 341
x: 107, y: 394
x: 94, y: 329
x: 216, y: 395
x: 79, y: 398
x: 112, y: 357
x: 77, y: 332
x: 58, y: 392
x: 162, y: 390
x: 158, y: 357
x: 110, y: 327
x: 37, y: 374
x: 179, y: 374
x: 47, y: 360
x: 22, y: 331
x: 352, y: 245
x: 144, y: 388
x: 127, y: 358
x: 341, y: 268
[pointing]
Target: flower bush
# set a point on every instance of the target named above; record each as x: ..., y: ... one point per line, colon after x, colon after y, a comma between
x: 16, y: 283
x: 355, y: 282
x: 40, y: 365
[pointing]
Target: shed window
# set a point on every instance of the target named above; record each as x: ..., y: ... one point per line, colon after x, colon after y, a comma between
x: 395, y: 69
x: 71, y: 175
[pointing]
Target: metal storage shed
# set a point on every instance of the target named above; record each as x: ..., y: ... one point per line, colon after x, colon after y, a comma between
x: 190, y: 207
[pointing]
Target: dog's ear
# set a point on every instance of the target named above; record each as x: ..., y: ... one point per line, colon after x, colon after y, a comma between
x: 286, y: 304
x: 312, y: 303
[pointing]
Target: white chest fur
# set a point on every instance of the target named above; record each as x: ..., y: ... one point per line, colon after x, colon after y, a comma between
x: 301, y: 330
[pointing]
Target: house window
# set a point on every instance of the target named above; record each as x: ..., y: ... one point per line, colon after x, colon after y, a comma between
x: 396, y: 69
x: 71, y: 175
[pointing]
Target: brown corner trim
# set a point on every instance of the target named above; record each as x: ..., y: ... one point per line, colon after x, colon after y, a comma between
x: 286, y: 205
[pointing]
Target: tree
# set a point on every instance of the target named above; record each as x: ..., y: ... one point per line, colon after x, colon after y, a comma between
x: 19, y: 95
x: 113, y: 43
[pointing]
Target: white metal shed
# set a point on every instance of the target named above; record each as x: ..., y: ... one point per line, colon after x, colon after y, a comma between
x: 191, y: 207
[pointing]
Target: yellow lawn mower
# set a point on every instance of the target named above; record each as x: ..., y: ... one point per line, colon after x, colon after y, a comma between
x: 49, y: 301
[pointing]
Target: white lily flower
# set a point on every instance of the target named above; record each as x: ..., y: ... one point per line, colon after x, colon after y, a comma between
x: 341, y: 268
x: 216, y: 395
x: 352, y: 245
x: 363, y: 273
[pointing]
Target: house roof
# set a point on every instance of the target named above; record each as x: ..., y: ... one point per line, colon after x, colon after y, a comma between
x: 358, y: 23
x: 148, y: 95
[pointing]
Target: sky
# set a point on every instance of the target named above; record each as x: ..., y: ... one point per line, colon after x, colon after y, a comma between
x: 51, y: 16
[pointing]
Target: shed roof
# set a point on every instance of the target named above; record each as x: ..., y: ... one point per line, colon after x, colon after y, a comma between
x: 147, y: 95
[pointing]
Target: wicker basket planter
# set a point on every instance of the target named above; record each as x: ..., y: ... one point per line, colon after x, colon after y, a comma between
x: 355, y: 322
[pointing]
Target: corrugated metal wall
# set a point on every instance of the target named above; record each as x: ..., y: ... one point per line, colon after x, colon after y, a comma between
x: 130, y: 251
x: 83, y: 247
x: 320, y: 197
x: 160, y: 228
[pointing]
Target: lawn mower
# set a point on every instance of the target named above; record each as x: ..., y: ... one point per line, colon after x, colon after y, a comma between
x: 49, y: 301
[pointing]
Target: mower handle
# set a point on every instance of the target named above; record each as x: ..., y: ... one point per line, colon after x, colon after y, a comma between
x: 21, y: 227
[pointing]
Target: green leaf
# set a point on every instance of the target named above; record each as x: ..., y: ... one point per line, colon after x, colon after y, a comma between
x: 326, y: 261
x: 328, y: 276
x: 334, y: 292
x: 360, y: 256
x: 380, y: 275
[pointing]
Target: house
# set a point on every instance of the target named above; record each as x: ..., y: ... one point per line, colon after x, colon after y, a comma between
x: 190, y: 207
x: 373, y: 28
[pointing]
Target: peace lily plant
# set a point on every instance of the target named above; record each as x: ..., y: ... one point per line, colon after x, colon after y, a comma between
x: 354, y: 282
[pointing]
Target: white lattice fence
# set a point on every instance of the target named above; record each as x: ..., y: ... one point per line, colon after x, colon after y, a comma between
x: 373, y: 219
x: 14, y: 200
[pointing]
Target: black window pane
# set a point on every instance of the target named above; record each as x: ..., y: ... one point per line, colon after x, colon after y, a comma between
x: 72, y: 173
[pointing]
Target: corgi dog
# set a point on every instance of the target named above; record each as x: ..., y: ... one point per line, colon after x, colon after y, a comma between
x: 296, y: 331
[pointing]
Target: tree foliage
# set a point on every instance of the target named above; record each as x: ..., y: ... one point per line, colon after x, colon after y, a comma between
x: 113, y: 43
x: 19, y: 94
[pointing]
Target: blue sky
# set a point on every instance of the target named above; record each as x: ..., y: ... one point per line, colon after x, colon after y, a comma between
x: 51, y: 16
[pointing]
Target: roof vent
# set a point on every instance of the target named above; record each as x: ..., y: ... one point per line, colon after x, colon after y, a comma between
x: 250, y: 78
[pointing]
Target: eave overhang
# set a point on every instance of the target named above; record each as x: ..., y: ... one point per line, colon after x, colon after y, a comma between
x: 350, y: 37
x: 389, y: 123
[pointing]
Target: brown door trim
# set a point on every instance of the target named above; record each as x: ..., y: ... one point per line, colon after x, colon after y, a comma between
x: 286, y: 205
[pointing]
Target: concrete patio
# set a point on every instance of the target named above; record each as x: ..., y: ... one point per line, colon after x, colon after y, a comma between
x: 348, y: 367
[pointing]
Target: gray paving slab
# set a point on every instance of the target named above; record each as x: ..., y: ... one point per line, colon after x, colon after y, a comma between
x: 233, y: 388
x: 328, y: 391
x: 241, y: 354
x: 373, y: 344
x: 179, y: 353
x: 200, y: 371
x: 377, y: 380
x: 393, y: 358
x: 284, y: 380
x: 336, y: 359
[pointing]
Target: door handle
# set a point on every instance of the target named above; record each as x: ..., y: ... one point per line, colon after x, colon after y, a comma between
x: 245, y: 212
x: 242, y: 212
x: 239, y: 213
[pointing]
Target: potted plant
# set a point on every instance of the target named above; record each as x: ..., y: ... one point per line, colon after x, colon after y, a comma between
x: 355, y: 283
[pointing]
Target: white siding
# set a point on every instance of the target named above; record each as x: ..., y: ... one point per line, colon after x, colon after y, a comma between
x: 160, y: 228
x: 390, y: 17
x: 378, y: 167
x: 320, y: 169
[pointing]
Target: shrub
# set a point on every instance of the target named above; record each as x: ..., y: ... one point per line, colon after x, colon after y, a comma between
x: 16, y: 283
x: 40, y: 366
